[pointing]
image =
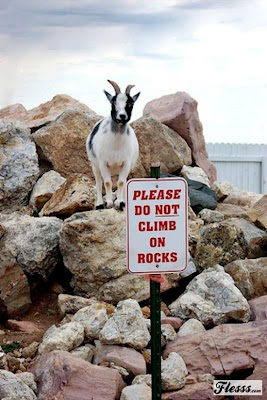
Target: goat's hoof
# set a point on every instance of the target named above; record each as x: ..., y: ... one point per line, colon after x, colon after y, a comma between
x: 108, y: 204
x: 119, y: 205
x: 100, y: 207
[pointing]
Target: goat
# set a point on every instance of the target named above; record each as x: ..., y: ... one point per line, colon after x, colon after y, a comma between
x: 112, y: 147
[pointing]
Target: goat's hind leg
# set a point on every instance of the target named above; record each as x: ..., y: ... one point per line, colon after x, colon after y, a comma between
x: 98, y: 180
x: 119, y: 203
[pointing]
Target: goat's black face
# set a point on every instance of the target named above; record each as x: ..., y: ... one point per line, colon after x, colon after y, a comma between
x: 122, y: 106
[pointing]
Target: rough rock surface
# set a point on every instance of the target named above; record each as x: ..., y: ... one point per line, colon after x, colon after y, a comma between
x: 190, y: 327
x: 179, y: 112
x: 232, y: 210
x: 44, y: 188
x: 76, y: 194
x: 66, y: 337
x: 159, y: 143
x: 258, y: 308
x: 64, y: 376
x: 31, y: 243
x: 259, y: 373
x: 19, y: 167
x: 136, y: 392
x: 230, y: 240
x: 195, y: 174
x: 130, y: 359
x: 93, y: 247
x: 212, y: 298
x: 173, y: 372
x: 93, y: 319
x: 62, y: 143
x: 258, y: 214
x: 126, y: 326
x: 69, y: 304
x: 222, y: 189
x: 16, y: 112
x: 250, y: 276
x: 223, y: 349
x: 242, y: 198
x: 196, y: 391
x: 86, y: 353
x: 210, y: 216
x: 11, y: 385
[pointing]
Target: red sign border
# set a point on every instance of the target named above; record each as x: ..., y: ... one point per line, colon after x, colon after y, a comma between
x: 127, y: 223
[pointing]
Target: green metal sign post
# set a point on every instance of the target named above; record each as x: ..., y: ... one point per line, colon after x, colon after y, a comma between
x: 155, y: 324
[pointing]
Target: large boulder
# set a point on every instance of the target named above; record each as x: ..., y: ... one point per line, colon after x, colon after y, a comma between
x: 19, y: 168
x: 258, y: 214
x: 15, y: 112
x: 223, y: 349
x: 62, y: 143
x: 11, y: 386
x: 93, y: 319
x: 179, y: 112
x: 230, y: 240
x: 31, y: 243
x: 61, y: 375
x: 158, y: 143
x: 212, y: 298
x: 250, y: 276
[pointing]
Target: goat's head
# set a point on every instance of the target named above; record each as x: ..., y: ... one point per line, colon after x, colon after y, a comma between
x: 122, y: 103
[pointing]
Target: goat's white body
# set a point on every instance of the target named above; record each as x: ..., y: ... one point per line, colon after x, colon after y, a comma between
x: 114, y: 151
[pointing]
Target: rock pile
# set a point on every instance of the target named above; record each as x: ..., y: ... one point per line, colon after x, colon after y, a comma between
x: 214, y: 316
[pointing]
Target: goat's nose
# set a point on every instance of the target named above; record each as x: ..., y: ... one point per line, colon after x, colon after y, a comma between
x: 123, y: 117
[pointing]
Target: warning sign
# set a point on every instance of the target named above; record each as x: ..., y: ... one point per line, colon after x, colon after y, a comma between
x: 157, y: 224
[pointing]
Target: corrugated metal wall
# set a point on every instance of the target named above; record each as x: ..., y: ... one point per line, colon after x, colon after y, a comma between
x: 244, y: 165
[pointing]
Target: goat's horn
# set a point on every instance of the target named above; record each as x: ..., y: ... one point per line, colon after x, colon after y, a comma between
x: 116, y: 87
x: 128, y: 89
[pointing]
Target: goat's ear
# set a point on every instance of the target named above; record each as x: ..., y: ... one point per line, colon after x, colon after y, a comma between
x: 109, y: 96
x: 135, y: 97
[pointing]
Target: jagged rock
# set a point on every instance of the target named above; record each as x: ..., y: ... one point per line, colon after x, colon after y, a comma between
x: 222, y: 189
x: 196, y: 391
x: 157, y: 142
x: 250, y: 276
x: 44, y: 188
x: 62, y: 143
x: 212, y: 298
x: 257, y: 213
x: 126, y: 326
x: 130, y: 359
x: 11, y: 385
x: 179, y: 112
x: 19, y: 167
x: 15, y: 112
x: 232, y: 210
x: 223, y: 349
x: 93, y: 247
x: 86, y: 353
x: 230, y: 240
x: 190, y: 327
x: 76, y: 194
x: 201, y: 196
x: 31, y: 243
x: 93, y: 319
x: 66, y: 337
x: 195, y: 174
x: 173, y: 372
x: 136, y: 392
x: 210, y: 216
x: 258, y: 308
x: 64, y: 376
x: 242, y: 198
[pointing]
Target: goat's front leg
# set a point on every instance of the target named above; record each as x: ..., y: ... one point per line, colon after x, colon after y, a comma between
x: 98, y: 181
x: 105, y: 172
x: 120, y: 201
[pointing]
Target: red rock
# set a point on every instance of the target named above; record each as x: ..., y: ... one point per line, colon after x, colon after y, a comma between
x: 179, y: 112
x: 130, y: 359
x: 196, y: 391
x: 22, y: 326
x: 259, y: 373
x: 258, y: 308
x: 64, y: 376
x: 174, y: 321
x: 223, y: 349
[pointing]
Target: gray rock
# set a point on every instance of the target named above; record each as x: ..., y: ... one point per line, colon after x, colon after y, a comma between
x: 173, y: 372
x: 190, y: 327
x: 126, y: 326
x: 92, y: 318
x: 69, y: 304
x: 210, y: 216
x: 66, y: 337
x: 136, y: 392
x: 11, y: 385
x: 147, y: 379
x: 84, y: 352
x: 29, y: 380
x: 31, y: 243
x: 212, y: 298
x: 19, y: 168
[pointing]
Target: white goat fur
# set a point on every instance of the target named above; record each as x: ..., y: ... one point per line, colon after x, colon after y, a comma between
x: 113, y: 150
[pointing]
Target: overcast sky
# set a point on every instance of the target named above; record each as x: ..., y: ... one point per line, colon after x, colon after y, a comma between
x: 215, y: 50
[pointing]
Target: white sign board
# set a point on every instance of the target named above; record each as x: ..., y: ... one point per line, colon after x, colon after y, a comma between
x: 157, y: 224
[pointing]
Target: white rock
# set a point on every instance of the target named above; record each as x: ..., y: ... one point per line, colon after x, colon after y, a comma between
x: 69, y: 304
x: 12, y: 386
x: 66, y: 337
x: 196, y: 174
x: 93, y: 319
x: 190, y: 327
x: 29, y: 380
x: 173, y: 372
x: 147, y: 379
x: 168, y: 332
x: 210, y: 216
x: 44, y: 188
x: 126, y: 326
x: 136, y: 392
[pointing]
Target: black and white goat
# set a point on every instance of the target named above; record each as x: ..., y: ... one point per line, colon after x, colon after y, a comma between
x: 112, y: 147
